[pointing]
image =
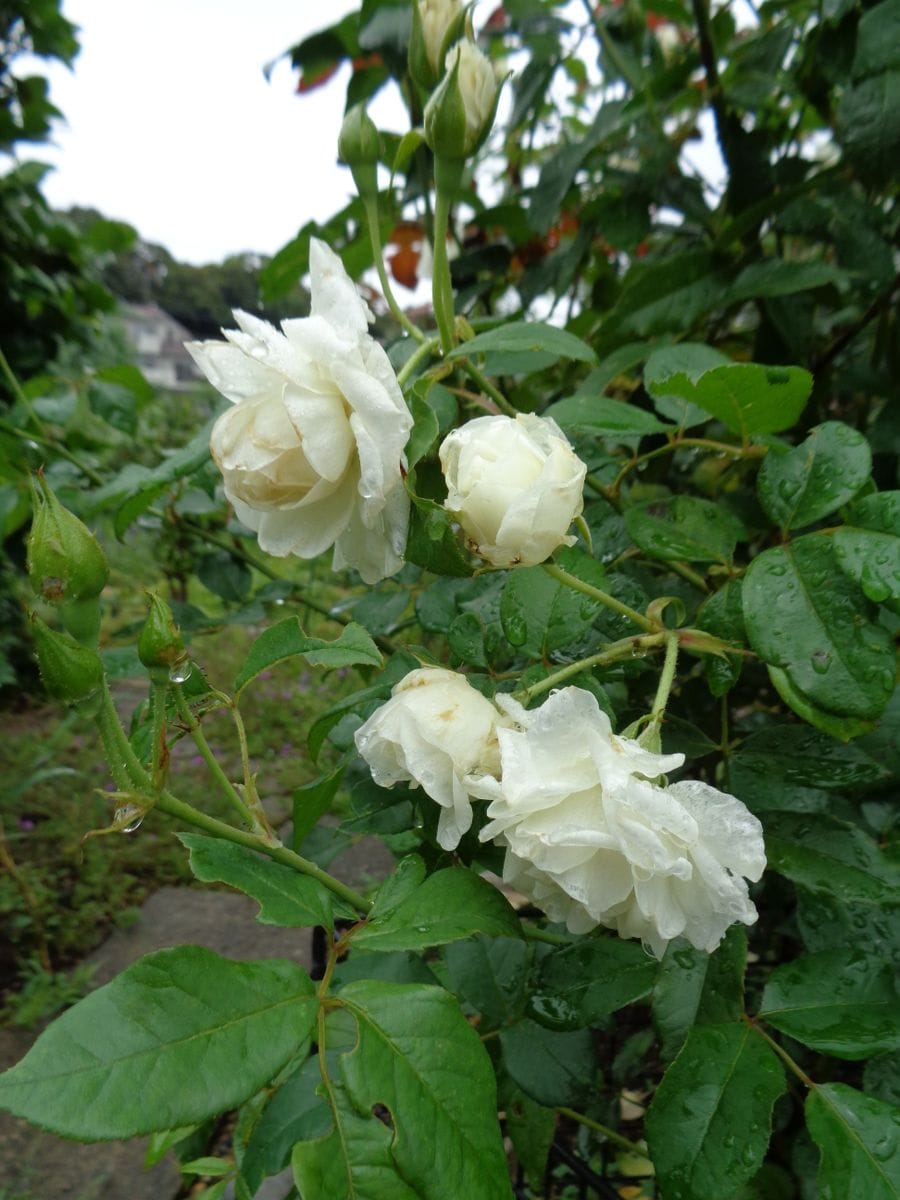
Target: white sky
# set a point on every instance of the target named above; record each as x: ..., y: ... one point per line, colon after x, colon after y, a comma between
x: 171, y: 125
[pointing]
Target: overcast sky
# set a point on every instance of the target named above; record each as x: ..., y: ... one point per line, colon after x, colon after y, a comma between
x: 171, y: 125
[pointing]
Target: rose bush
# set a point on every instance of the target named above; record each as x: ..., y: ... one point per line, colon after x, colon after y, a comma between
x: 312, y: 451
x: 515, y: 486
x: 438, y: 733
x: 595, y: 841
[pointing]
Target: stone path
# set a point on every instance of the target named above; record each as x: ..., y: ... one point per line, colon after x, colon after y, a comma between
x: 39, y: 1166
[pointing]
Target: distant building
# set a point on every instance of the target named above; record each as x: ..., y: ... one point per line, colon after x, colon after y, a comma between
x: 158, y: 343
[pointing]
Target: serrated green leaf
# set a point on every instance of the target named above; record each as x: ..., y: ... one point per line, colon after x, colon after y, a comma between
x: 746, y: 397
x: 550, y: 1066
x: 877, y: 39
x: 691, y: 359
x: 433, y: 543
x: 595, y: 977
x: 842, y: 728
x: 540, y: 615
x: 792, y: 754
x: 418, y: 1057
x: 684, y: 527
x: 872, y: 561
x: 490, y: 975
x: 448, y: 906
x: 293, y: 1113
x: 424, y: 431
x: 825, y: 854
x: 526, y: 346
x: 860, y: 1142
x: 709, y: 1124
x: 311, y: 800
x: 354, y: 647
x: 666, y: 296
x: 285, y: 897
x: 206, y: 1166
x: 815, y: 478
x: 531, y: 1128
x: 842, y: 1002
x: 604, y: 415
x: 164, y: 1044
x: 696, y: 988
x: 804, y: 616
x: 779, y: 277
x: 722, y: 615
x: 868, y: 124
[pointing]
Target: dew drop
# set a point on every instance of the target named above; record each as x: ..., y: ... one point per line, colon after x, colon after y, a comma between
x: 821, y: 661
x: 181, y: 671
x: 130, y: 813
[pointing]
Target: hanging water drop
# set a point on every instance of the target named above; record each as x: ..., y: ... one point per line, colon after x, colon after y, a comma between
x: 181, y: 671
x: 131, y: 814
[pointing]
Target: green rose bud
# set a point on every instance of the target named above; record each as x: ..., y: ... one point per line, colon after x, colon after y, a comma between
x: 70, y: 671
x: 359, y: 146
x: 160, y: 647
x: 461, y: 111
x: 436, y: 25
x: 64, y: 559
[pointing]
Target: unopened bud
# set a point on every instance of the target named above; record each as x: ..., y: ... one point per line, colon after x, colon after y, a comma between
x: 436, y: 25
x: 160, y: 646
x: 461, y: 111
x: 359, y: 146
x: 70, y: 671
x: 64, y: 559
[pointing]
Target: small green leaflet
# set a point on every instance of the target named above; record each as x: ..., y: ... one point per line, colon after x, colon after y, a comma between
x: 523, y: 346
x: 354, y: 647
x: 446, y: 907
x: 860, y: 1142
x: 748, y: 398
x: 285, y: 897
x: 709, y: 1124
x: 811, y: 480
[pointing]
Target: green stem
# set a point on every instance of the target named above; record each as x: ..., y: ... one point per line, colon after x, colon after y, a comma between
x: 196, y: 732
x: 488, y: 388
x: 666, y: 679
x: 447, y: 175
x: 781, y: 1052
x: 609, y: 1134
x: 158, y: 693
x: 608, y: 493
x: 370, y: 203
x: 604, y: 598
x: 130, y: 776
x: 680, y: 443
x: 251, y: 796
x: 18, y: 392
x: 428, y: 347
x: 640, y: 644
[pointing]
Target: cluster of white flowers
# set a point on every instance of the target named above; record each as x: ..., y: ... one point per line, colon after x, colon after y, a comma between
x: 589, y: 832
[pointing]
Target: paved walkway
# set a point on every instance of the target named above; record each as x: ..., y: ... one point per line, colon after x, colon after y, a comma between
x: 39, y: 1166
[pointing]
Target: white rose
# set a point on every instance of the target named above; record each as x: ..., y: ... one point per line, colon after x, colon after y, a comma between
x: 312, y: 451
x: 438, y: 733
x: 437, y: 16
x: 515, y: 486
x: 594, y: 842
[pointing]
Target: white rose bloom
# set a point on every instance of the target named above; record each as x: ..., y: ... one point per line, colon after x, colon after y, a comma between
x: 438, y: 733
x: 515, y: 485
x: 477, y: 86
x: 594, y: 842
x: 312, y: 450
x: 437, y: 16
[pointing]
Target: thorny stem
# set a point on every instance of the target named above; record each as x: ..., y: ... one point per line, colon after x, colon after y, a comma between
x: 251, y: 796
x: 666, y: 679
x: 609, y: 1134
x: 626, y: 648
x: 158, y: 693
x: 447, y: 175
x: 371, y: 206
x: 131, y: 777
x: 604, y: 598
x: 488, y: 388
x: 196, y: 732
x: 792, y: 1066
x: 679, y: 443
